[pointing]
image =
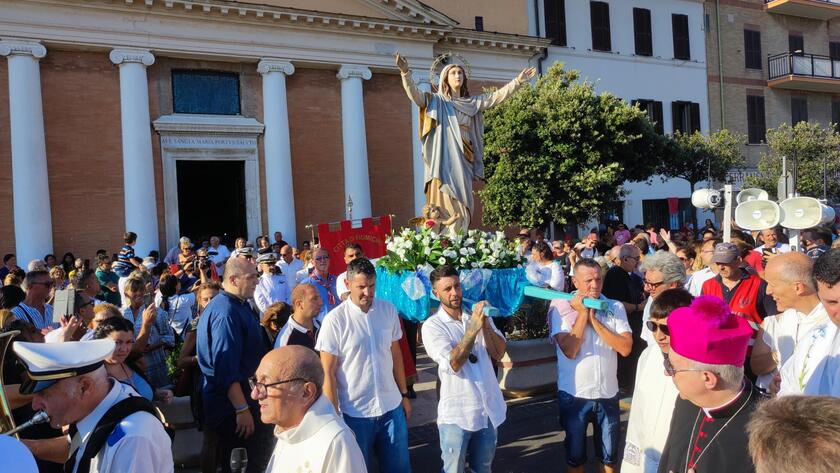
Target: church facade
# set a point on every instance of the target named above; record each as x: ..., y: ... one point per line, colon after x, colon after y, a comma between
x: 200, y: 117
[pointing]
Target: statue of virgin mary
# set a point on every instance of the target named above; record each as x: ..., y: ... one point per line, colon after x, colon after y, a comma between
x: 451, y: 132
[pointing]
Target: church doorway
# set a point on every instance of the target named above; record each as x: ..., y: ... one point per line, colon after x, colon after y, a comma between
x: 211, y: 200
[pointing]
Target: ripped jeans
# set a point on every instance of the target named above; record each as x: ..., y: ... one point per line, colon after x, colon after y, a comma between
x: 459, y: 446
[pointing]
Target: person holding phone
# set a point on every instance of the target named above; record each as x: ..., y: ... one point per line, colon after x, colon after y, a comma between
x: 74, y: 326
x: 151, y: 329
x: 771, y: 247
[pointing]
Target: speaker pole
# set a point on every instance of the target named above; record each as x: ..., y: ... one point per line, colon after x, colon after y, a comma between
x: 727, y: 213
x: 793, y: 239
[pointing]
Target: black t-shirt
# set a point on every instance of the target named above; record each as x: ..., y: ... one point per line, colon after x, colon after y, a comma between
x: 621, y: 286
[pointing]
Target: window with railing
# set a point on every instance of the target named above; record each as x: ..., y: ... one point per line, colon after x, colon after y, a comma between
x: 809, y: 65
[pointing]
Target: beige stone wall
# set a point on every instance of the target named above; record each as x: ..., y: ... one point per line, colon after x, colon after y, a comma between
x: 505, y: 16
x: 735, y: 16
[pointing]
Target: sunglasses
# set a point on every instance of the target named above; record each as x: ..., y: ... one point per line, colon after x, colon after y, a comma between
x: 654, y: 285
x: 671, y: 371
x: 322, y: 258
x: 653, y: 327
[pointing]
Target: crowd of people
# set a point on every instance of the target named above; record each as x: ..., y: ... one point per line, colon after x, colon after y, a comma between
x: 309, y: 371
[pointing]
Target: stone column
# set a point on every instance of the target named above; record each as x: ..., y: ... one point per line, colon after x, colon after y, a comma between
x: 30, y: 184
x: 421, y: 78
x: 138, y: 169
x: 356, y: 181
x: 278, y: 153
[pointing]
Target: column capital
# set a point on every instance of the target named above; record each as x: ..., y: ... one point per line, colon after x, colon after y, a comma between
x: 268, y: 65
x: 22, y: 47
x: 348, y: 71
x: 126, y: 55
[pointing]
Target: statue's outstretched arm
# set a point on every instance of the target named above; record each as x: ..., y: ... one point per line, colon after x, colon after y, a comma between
x: 414, y: 94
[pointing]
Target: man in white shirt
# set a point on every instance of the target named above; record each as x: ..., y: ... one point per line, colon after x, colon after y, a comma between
x: 709, y: 271
x: 310, y: 435
x: 771, y: 247
x: 289, y: 265
x: 34, y: 308
x: 273, y: 286
x: 655, y: 393
x: 586, y: 342
x: 790, y: 283
x: 814, y: 367
x: 222, y: 253
x: 351, y: 252
x: 364, y: 374
x: 471, y: 405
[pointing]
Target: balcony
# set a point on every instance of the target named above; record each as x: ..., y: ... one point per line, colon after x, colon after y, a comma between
x: 816, y: 9
x: 810, y: 72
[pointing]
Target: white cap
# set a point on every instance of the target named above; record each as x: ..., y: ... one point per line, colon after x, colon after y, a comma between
x: 47, y: 363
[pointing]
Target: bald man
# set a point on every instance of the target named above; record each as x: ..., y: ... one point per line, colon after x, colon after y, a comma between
x: 790, y: 284
x: 302, y: 327
x: 310, y: 436
x: 230, y: 346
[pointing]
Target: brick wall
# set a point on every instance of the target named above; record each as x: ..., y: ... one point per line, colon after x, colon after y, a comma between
x: 314, y: 99
x: 389, y: 146
x: 81, y: 96
x: 7, y: 229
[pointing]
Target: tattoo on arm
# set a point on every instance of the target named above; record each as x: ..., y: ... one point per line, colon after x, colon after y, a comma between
x: 458, y: 356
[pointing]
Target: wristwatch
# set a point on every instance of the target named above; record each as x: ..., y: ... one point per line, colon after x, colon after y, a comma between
x: 405, y: 395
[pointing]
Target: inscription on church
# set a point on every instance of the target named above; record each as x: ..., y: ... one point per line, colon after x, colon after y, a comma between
x: 205, y: 142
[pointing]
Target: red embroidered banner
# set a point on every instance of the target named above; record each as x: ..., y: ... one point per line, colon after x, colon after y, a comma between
x: 334, y: 237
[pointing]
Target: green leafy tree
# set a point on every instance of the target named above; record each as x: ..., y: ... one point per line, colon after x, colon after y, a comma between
x: 696, y: 156
x: 813, y: 146
x: 561, y: 152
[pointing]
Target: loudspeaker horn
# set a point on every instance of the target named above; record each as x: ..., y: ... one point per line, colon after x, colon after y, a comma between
x: 706, y: 198
x: 751, y: 194
x: 757, y: 214
x: 799, y: 213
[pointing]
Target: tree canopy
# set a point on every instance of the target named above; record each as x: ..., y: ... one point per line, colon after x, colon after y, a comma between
x: 696, y: 156
x: 813, y: 146
x: 560, y: 152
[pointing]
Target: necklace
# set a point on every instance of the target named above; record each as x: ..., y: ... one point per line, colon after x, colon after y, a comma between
x: 688, y: 450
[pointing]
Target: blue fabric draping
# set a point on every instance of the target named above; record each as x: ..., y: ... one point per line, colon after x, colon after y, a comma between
x: 411, y: 291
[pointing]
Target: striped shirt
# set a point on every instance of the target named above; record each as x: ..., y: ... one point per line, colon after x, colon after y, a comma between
x: 31, y: 315
x: 161, y: 331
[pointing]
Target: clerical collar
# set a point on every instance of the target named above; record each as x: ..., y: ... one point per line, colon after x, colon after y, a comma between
x: 729, y: 408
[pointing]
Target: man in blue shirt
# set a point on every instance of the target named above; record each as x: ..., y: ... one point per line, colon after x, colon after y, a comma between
x: 230, y: 346
x: 324, y: 282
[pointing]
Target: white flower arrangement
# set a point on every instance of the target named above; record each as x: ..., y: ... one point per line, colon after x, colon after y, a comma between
x: 409, y: 250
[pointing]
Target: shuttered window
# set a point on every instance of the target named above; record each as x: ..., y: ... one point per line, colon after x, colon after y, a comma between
x: 756, y: 128
x: 682, y: 46
x: 685, y: 116
x: 600, y: 18
x: 752, y: 49
x: 798, y: 110
x: 642, y: 32
x: 555, y: 21
x: 654, y: 111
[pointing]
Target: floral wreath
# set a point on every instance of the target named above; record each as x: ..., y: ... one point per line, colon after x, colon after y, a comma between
x: 444, y: 60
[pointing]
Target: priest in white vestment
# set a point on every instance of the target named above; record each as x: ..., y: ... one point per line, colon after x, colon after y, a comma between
x: 814, y: 367
x: 311, y: 437
x: 655, y: 393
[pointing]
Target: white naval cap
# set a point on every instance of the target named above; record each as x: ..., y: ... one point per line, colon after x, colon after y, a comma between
x: 47, y: 363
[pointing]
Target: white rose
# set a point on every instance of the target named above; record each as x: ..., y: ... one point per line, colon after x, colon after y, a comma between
x: 471, y: 251
x: 463, y: 251
x: 427, y: 251
x: 463, y: 260
x: 441, y: 260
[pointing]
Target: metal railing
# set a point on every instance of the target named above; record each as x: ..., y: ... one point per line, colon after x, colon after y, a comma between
x: 806, y: 65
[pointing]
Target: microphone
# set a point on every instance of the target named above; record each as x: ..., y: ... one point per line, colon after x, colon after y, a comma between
x: 238, y: 460
x: 39, y: 418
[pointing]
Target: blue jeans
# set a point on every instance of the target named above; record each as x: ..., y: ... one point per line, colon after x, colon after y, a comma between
x: 575, y: 416
x: 456, y: 444
x: 387, y: 436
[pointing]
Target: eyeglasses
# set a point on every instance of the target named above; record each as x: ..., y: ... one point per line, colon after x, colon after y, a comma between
x: 322, y: 258
x: 90, y: 302
x: 636, y: 258
x: 43, y: 283
x: 653, y: 327
x: 671, y: 371
x: 262, y: 388
x: 653, y: 285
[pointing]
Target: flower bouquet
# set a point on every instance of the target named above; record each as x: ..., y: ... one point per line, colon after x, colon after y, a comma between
x: 490, y: 267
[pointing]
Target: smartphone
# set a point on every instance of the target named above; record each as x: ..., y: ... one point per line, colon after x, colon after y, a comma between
x: 148, y: 298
